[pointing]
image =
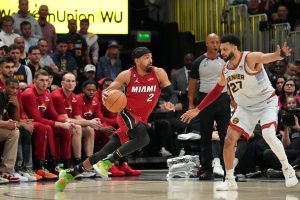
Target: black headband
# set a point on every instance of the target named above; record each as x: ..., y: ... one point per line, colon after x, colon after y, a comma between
x: 139, y: 51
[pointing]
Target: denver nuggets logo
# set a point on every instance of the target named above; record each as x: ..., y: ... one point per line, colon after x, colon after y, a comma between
x: 235, y: 120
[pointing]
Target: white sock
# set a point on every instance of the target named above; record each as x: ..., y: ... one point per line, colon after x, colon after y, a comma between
x: 229, y: 173
x: 235, y: 162
x: 275, y: 145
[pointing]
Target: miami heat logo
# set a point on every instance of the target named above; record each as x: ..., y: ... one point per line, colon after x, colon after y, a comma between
x: 88, y: 114
x: 42, y: 107
x: 69, y: 109
x: 235, y: 120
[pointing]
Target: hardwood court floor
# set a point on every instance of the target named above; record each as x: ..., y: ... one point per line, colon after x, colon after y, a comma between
x: 151, y: 185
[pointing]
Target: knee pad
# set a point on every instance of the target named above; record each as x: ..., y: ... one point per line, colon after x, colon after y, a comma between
x: 139, y: 131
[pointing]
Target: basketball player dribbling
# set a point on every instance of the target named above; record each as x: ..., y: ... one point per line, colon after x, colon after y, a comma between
x: 143, y: 83
x: 252, y: 91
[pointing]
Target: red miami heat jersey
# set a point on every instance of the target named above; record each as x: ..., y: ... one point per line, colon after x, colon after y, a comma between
x: 142, y: 93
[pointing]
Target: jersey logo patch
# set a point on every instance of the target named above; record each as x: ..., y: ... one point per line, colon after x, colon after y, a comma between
x: 235, y: 120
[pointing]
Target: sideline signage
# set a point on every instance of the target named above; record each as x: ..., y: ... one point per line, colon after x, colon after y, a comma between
x: 105, y: 16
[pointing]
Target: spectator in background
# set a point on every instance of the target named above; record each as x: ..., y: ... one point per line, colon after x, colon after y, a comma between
x: 297, y: 25
x: 289, y: 90
x: 291, y: 70
x: 3, y: 49
x: 77, y: 45
x: 110, y: 64
x: 91, y: 40
x: 49, y: 33
x: 7, y: 35
x: 89, y: 73
x: 254, y: 7
x: 9, y: 117
x: 277, y: 69
x: 282, y: 12
x: 7, y: 68
x: 290, y: 138
x: 34, y: 55
x: 180, y: 80
x: 22, y: 72
x: 27, y: 35
x: 63, y: 59
x: 24, y: 15
x: 279, y: 85
x: 46, y: 61
x: 21, y: 43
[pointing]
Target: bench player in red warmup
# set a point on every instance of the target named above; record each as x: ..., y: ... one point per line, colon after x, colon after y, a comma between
x: 252, y: 91
x: 143, y: 83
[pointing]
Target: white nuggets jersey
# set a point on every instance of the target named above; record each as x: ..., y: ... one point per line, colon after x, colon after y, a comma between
x: 247, y: 88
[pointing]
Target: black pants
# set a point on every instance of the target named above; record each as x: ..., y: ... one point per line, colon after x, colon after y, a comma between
x: 218, y: 111
x: 138, y: 139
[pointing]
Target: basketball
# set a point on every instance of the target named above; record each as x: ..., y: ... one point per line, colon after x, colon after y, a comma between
x: 116, y: 101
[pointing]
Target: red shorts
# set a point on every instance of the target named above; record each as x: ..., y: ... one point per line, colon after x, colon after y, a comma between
x: 126, y: 121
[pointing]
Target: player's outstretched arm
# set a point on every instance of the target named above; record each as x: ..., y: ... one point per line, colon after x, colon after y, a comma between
x: 255, y: 58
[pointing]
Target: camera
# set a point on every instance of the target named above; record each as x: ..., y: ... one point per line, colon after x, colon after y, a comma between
x: 288, y: 119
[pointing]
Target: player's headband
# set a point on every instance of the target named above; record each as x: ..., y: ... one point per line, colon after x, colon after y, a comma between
x: 139, y: 51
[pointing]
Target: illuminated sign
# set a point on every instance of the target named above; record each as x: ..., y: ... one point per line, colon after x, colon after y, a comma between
x: 105, y: 16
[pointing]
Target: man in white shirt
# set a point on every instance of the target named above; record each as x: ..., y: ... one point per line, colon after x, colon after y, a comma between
x: 7, y: 35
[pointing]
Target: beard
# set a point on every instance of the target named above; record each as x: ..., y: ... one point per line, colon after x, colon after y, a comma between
x: 148, y: 68
x: 229, y: 57
x: 89, y: 98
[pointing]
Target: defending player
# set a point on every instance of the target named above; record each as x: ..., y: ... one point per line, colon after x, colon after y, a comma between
x: 252, y: 91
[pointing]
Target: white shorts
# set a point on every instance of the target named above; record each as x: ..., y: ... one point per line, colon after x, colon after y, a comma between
x: 245, y: 118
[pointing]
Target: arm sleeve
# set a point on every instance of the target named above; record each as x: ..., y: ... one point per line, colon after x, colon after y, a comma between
x: 172, y: 94
x: 31, y: 109
x: 211, y: 97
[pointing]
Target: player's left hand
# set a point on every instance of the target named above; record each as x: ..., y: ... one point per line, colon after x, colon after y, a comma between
x: 105, y: 94
x: 189, y: 115
x: 168, y: 106
x: 284, y: 51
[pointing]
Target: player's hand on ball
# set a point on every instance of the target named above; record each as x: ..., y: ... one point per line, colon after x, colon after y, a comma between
x: 105, y: 95
x: 189, y: 115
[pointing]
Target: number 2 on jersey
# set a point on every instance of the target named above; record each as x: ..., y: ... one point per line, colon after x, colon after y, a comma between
x: 151, y: 95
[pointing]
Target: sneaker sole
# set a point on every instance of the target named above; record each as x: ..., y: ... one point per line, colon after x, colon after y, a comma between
x: 231, y: 189
x: 293, y: 183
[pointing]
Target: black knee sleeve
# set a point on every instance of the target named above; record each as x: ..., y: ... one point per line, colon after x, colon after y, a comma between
x: 140, y: 132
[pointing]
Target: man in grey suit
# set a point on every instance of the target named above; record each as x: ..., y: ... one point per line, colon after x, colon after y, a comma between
x: 180, y: 80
